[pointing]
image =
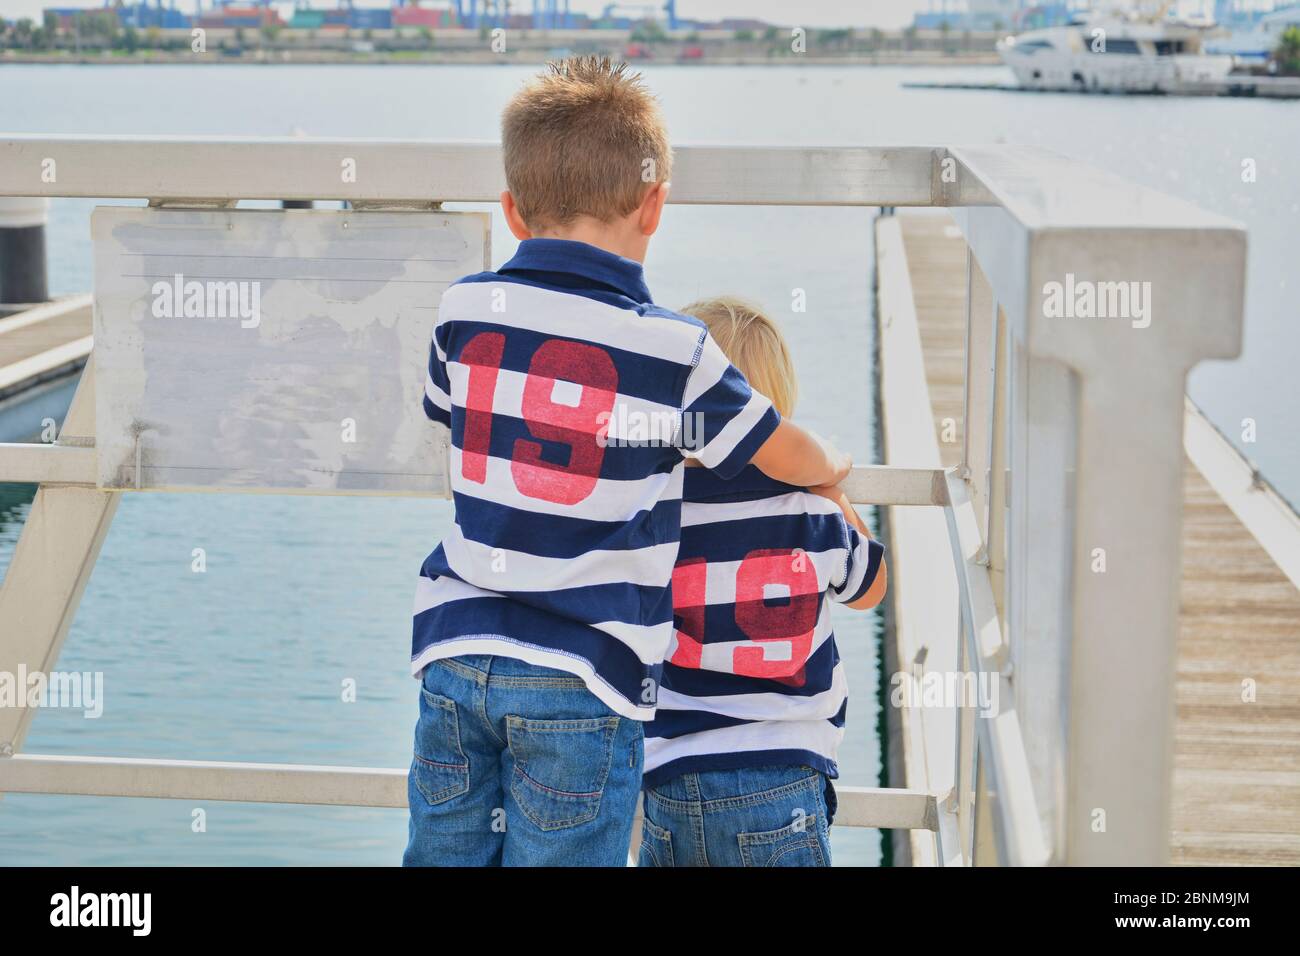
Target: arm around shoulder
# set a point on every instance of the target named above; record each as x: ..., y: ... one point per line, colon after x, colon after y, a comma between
x: 798, y: 457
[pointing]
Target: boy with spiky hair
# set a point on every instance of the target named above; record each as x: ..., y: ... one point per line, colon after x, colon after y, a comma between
x: 543, y: 618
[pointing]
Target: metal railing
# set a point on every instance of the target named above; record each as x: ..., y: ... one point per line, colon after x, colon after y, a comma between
x: 1073, y: 442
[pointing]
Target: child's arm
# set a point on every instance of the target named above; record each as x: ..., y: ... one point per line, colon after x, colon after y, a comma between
x: 799, y: 457
x: 876, y: 592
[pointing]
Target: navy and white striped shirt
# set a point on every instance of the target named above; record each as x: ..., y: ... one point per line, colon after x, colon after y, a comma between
x: 572, y: 400
x: 753, y: 677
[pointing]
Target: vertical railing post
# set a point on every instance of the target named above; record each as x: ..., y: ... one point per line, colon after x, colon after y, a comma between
x: 995, y: 538
x: 1184, y: 290
x: 966, y: 380
x: 964, y: 769
x: 981, y: 315
x: 1041, y: 558
x: 1112, y: 294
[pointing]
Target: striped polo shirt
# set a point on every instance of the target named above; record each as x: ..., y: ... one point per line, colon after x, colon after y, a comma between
x: 753, y: 677
x: 573, y: 401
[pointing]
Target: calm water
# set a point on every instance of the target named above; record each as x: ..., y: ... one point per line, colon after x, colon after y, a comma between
x: 246, y: 661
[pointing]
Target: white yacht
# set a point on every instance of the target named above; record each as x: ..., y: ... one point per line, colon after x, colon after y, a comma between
x: 1115, y: 55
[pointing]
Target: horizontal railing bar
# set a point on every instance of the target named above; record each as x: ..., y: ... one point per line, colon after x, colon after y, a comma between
x: 1044, y: 190
x: 886, y: 808
x: 221, y: 169
x: 230, y: 168
x: 30, y: 463
x: 204, y: 780
x: 895, y: 485
x: 74, y: 465
x: 232, y: 781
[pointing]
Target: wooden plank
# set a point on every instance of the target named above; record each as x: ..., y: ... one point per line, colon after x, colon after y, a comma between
x: 311, y: 382
x: 35, y: 331
x: 1237, y: 764
x: 41, y: 345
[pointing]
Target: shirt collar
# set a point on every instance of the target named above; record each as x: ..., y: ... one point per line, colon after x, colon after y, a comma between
x: 701, y: 484
x: 581, y: 259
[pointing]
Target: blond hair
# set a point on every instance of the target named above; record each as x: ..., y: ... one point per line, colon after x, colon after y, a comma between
x: 585, y: 138
x: 754, y: 344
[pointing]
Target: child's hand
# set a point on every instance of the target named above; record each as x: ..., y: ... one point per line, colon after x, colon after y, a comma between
x: 840, y: 462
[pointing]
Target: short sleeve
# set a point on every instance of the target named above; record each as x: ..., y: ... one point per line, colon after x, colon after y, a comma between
x: 864, y: 555
x: 724, y: 421
x: 437, y: 388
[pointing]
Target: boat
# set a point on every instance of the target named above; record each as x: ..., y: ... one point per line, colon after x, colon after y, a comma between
x: 1116, y: 54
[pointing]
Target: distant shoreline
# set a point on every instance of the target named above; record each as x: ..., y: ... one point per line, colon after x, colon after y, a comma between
x: 475, y: 58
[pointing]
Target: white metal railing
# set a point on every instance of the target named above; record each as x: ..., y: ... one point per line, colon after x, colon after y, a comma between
x: 1073, y: 442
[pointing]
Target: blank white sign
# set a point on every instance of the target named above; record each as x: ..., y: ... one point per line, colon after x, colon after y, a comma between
x: 269, y: 350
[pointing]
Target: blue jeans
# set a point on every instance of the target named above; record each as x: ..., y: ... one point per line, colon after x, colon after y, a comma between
x: 761, y: 816
x: 519, y: 765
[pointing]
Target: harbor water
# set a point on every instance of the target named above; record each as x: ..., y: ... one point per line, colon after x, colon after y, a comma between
x: 302, y: 598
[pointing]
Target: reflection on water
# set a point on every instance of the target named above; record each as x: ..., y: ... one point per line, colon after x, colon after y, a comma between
x: 14, y: 500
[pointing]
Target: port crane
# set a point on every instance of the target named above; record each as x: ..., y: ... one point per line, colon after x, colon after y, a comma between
x: 643, y: 11
x: 494, y: 13
x: 552, y: 15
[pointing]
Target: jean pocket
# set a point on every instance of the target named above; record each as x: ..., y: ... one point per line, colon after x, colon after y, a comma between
x: 798, y: 844
x: 440, y: 769
x: 560, y: 768
x: 656, y: 845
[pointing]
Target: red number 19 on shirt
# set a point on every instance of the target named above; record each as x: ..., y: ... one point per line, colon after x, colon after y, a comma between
x: 572, y: 424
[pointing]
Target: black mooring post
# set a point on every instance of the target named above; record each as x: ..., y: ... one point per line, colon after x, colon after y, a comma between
x: 23, y: 275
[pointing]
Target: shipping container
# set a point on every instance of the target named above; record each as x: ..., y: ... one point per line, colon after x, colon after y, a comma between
x: 415, y: 17
x: 371, y: 19
x: 307, y: 20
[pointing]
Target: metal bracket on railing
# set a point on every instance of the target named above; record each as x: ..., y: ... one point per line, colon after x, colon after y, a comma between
x: 951, y: 801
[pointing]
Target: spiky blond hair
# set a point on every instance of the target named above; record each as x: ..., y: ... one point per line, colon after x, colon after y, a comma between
x: 585, y: 138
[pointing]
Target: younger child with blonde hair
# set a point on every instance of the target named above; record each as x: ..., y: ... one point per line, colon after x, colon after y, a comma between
x: 739, y: 757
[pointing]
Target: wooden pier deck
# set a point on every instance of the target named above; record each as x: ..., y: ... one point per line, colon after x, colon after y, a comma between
x: 42, y: 350
x: 1237, y: 763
